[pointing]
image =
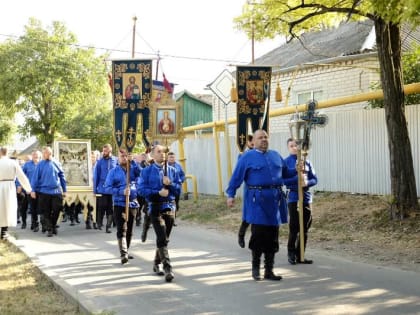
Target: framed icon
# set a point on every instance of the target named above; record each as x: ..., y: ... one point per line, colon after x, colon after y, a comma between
x: 166, y: 122
x: 75, y: 158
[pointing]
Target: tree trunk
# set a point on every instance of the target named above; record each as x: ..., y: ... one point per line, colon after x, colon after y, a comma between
x: 403, y: 183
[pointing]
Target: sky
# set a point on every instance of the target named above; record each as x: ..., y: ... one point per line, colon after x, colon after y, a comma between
x: 196, y: 39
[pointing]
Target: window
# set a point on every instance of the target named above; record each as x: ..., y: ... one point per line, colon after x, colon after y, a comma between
x: 304, y: 97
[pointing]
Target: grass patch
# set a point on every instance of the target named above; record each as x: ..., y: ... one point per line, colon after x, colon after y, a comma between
x: 24, y: 289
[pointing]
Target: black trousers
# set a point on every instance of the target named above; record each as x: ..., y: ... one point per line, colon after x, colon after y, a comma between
x: 264, y: 238
x: 33, y: 202
x: 22, y: 200
x: 177, y: 202
x: 162, y: 224
x: 50, y: 206
x: 103, y: 206
x: 124, y: 227
x: 293, y: 244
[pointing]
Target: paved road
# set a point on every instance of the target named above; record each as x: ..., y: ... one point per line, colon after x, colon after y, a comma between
x: 212, y: 276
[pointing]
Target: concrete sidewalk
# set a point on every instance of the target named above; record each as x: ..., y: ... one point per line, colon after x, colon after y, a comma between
x: 212, y: 276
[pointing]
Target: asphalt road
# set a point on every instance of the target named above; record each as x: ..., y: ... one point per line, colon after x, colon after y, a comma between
x: 212, y: 276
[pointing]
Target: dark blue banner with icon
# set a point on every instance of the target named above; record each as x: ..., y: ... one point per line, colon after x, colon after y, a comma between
x: 253, y: 86
x: 132, y: 90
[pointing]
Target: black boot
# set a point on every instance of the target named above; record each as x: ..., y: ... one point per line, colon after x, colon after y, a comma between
x: 268, y: 266
x: 89, y: 217
x: 108, y: 223
x: 167, y: 268
x: 256, y: 260
x: 99, y: 219
x: 89, y: 223
x: 48, y: 226
x: 156, y: 264
x: 4, y: 235
x: 77, y: 210
x: 138, y: 217
x: 34, y: 225
x: 291, y: 257
x: 241, y: 234
x: 146, y: 226
x: 122, y: 246
x: 128, y: 240
x: 34, y: 221
x: 43, y: 223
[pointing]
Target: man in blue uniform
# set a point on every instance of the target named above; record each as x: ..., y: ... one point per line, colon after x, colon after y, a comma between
x: 262, y: 170
x: 103, y: 196
x: 30, y: 203
x: 309, y: 179
x: 49, y: 186
x: 116, y: 181
x: 159, y: 184
x: 29, y: 169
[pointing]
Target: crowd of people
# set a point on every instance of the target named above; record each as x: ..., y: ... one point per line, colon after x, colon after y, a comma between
x: 38, y: 187
x: 145, y: 188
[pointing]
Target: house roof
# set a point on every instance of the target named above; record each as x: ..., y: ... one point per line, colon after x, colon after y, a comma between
x: 347, y: 39
x: 28, y: 150
x: 203, y: 98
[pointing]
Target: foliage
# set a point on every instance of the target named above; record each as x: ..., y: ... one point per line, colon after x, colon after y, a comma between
x: 47, y: 77
x: 411, y: 74
x: 6, y: 130
x: 6, y: 125
x: 92, y: 123
x: 268, y: 18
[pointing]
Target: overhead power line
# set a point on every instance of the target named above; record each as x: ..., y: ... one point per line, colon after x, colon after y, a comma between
x: 155, y: 54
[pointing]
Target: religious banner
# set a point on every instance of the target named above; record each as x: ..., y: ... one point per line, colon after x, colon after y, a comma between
x: 253, y: 86
x: 132, y: 89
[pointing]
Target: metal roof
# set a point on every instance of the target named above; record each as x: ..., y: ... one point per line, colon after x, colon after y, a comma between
x: 347, y: 39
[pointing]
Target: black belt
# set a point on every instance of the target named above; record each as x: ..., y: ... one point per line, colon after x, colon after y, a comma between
x: 161, y: 203
x: 265, y: 187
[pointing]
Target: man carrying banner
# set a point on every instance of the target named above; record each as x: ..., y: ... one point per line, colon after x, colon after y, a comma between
x: 159, y: 183
x: 116, y: 182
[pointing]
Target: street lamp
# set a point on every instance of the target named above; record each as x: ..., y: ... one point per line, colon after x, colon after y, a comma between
x: 297, y: 128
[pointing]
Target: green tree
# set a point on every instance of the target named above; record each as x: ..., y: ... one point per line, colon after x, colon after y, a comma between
x: 411, y: 74
x: 268, y: 18
x: 6, y: 124
x: 91, y: 123
x: 47, y: 77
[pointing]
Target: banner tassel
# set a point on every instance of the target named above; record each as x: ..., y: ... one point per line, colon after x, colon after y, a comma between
x: 279, y: 96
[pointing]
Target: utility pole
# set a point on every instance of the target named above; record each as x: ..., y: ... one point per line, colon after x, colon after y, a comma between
x: 252, y: 41
x: 133, y: 47
x: 157, y: 67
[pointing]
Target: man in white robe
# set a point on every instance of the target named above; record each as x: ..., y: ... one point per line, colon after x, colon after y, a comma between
x: 9, y: 171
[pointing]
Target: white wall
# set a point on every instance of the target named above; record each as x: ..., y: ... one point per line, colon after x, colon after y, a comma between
x: 350, y: 154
